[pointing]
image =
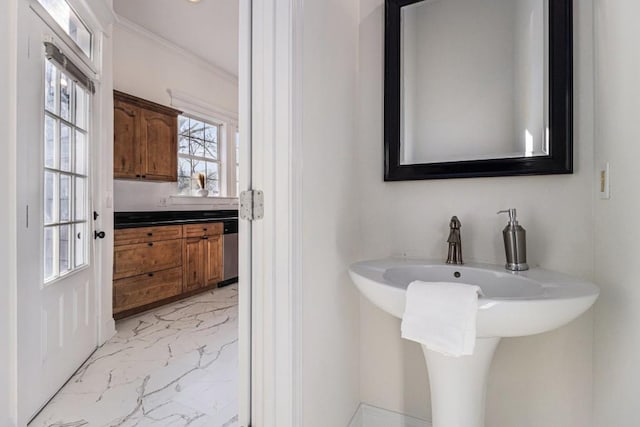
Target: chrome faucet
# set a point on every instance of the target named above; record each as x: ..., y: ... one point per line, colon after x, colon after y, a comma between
x: 455, y: 243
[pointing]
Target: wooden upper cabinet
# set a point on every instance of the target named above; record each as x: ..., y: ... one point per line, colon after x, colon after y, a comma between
x: 159, y: 143
x: 145, y: 139
x: 126, y: 156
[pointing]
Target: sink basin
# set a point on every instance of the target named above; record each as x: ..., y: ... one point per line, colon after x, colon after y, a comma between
x: 512, y: 304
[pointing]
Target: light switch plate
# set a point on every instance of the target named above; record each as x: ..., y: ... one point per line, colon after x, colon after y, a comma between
x: 604, y: 187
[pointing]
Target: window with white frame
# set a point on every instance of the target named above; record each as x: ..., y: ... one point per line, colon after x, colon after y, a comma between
x: 70, y: 23
x: 199, y: 154
x: 66, y: 122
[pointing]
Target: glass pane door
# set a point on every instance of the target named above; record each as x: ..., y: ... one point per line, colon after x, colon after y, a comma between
x: 65, y: 174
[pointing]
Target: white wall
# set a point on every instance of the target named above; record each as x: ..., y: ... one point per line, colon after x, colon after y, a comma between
x: 543, y: 380
x: 8, y: 348
x: 330, y: 213
x: 617, y: 342
x: 147, y: 68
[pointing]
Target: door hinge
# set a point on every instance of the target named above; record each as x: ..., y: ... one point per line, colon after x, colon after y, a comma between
x: 251, y: 205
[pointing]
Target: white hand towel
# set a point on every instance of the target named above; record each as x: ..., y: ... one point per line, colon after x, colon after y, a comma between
x: 442, y: 316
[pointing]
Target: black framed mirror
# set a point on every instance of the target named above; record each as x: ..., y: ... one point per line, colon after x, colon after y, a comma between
x: 477, y: 88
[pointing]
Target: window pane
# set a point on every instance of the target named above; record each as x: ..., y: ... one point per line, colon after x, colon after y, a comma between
x: 50, y: 180
x: 50, y: 87
x: 211, y: 150
x: 213, y: 178
x: 49, y: 142
x: 196, y: 147
x: 65, y: 97
x: 62, y: 13
x: 199, y: 166
x: 210, y: 133
x: 183, y: 145
x: 80, y: 233
x: 65, y: 249
x: 183, y: 125
x: 81, y: 199
x: 81, y: 110
x: 65, y: 147
x: 65, y: 199
x: 49, y: 245
x: 81, y: 157
x: 184, y: 167
x: 196, y: 129
x: 184, y: 184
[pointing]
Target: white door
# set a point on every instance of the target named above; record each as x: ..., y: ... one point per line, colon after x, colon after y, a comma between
x: 57, y: 327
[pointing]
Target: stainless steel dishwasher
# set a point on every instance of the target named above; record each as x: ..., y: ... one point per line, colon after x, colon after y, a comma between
x: 230, y: 252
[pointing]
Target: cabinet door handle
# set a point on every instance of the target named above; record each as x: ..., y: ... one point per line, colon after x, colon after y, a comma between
x: 150, y: 244
x: 137, y: 176
x: 144, y: 176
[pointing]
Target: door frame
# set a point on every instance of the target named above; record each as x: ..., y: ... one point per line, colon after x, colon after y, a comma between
x: 275, y: 86
x: 8, y: 216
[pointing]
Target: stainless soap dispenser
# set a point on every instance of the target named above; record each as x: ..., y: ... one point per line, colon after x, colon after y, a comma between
x: 515, y: 243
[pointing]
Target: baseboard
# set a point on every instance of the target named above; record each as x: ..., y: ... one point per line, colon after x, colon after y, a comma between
x: 370, y: 416
x: 107, y: 331
x: 228, y: 282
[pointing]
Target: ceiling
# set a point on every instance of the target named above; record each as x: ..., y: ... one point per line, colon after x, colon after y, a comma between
x: 208, y: 29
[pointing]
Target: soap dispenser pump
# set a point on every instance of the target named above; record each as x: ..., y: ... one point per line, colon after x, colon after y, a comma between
x: 515, y: 243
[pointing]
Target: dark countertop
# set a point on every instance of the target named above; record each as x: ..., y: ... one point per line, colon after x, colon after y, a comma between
x: 147, y: 219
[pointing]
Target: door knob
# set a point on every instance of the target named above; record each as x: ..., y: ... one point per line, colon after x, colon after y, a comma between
x: 98, y: 234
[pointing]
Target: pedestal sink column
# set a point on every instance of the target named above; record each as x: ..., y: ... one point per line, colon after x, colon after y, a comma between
x: 458, y: 385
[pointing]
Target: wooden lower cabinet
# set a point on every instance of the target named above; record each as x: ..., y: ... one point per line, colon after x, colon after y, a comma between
x: 146, y: 288
x: 143, y: 258
x: 213, y: 260
x: 193, y: 267
x: 202, y: 262
x: 152, y: 264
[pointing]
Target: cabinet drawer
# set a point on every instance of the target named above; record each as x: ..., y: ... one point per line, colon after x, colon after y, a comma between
x: 144, y: 289
x: 139, y: 258
x: 202, y: 229
x: 127, y: 236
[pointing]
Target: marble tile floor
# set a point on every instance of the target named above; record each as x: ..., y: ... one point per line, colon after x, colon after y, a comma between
x: 176, y: 365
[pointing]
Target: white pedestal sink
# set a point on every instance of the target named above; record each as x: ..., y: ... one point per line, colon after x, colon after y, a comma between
x: 514, y: 304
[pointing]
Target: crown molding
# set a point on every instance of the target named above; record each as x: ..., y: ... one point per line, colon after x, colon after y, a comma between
x: 131, y: 26
x: 189, y: 103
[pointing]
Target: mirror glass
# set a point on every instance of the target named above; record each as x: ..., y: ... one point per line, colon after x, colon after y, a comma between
x: 474, y: 80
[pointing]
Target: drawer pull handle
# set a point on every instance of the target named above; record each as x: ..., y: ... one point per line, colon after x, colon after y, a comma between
x: 205, y: 238
x: 204, y: 229
x: 150, y: 274
x: 149, y: 234
x: 150, y: 244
